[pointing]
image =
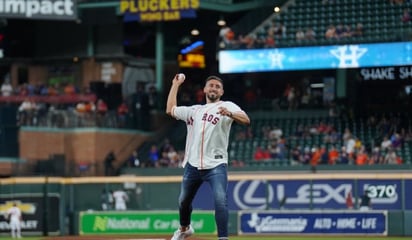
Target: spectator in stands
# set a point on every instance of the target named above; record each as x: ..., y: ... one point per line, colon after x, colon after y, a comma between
x: 248, y: 41
x: 358, y: 144
x: 362, y: 157
x: 101, y: 107
x: 332, y: 137
x: 397, y: 2
x: 6, y: 88
x: 307, y: 155
x: 226, y: 37
x: 324, y: 157
x: 339, y: 31
x: 347, y: 134
x: 53, y: 90
x: 347, y: 31
x: 270, y: 42
x: 173, y: 155
x: 297, y: 155
x: 390, y: 157
x: 275, y: 133
x: 333, y: 155
x: 44, y: 90
x: 279, y: 30
x: 164, y: 160
x: 236, y: 163
x: 376, y: 156
x: 261, y: 154
x: 108, y: 164
x: 343, y: 156
x: 292, y: 99
x: 386, y: 143
x: 27, y: 111
x: 166, y: 145
x: 310, y: 34
x: 281, y: 149
x: 101, y: 110
x: 273, y: 149
x: 122, y: 112
x: 153, y: 156
x: 300, y: 35
x: 69, y: 89
x: 350, y: 149
x: 396, y: 140
x: 315, y: 158
x: 134, y: 160
x: 406, y: 15
x: 31, y: 89
x: 331, y: 32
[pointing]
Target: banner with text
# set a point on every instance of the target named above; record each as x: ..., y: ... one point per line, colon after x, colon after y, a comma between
x: 306, y: 194
x: 267, y: 222
x: 158, y: 10
x: 403, y: 73
x: 32, y: 208
x: 39, y: 9
x: 147, y: 222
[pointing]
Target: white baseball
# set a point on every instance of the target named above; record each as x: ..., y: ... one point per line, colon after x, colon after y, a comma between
x: 181, y: 76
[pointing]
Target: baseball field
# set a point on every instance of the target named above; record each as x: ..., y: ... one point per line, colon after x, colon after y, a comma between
x: 214, y: 238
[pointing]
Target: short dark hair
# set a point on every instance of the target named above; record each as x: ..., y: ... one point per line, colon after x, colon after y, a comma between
x: 213, y: 77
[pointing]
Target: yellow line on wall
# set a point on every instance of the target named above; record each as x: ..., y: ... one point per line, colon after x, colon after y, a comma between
x: 174, y: 179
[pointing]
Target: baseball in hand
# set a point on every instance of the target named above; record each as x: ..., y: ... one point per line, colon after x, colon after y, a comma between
x: 181, y: 76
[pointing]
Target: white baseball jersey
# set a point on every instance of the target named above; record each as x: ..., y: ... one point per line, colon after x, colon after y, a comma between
x: 120, y: 197
x: 14, y: 214
x: 207, y: 133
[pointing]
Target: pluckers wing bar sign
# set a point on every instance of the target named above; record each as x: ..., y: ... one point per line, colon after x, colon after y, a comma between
x: 158, y: 10
x: 39, y: 9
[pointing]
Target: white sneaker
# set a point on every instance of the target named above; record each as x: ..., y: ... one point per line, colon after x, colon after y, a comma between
x: 179, y: 235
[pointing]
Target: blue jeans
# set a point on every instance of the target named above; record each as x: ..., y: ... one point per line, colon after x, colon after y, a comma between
x: 217, y: 179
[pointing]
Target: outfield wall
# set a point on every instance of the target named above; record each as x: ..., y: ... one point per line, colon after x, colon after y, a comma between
x: 262, y: 192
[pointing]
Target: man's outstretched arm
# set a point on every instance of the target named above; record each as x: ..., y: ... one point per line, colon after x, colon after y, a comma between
x: 172, y: 97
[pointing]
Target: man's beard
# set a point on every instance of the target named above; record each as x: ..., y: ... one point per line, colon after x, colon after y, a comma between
x: 212, y: 97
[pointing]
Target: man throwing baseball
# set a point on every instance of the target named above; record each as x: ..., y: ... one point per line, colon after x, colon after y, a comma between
x: 206, y: 156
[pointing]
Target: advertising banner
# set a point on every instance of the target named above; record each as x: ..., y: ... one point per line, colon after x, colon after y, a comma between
x: 32, y: 208
x: 305, y: 194
x: 386, y: 73
x: 147, y: 222
x: 324, y: 57
x: 385, y: 194
x: 158, y: 10
x: 408, y: 194
x: 316, y: 222
x: 39, y: 9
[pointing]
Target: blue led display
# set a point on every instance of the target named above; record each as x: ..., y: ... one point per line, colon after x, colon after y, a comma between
x: 323, y: 57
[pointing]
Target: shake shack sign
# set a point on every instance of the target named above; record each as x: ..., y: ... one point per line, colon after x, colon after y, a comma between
x: 39, y: 9
x: 387, y: 73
